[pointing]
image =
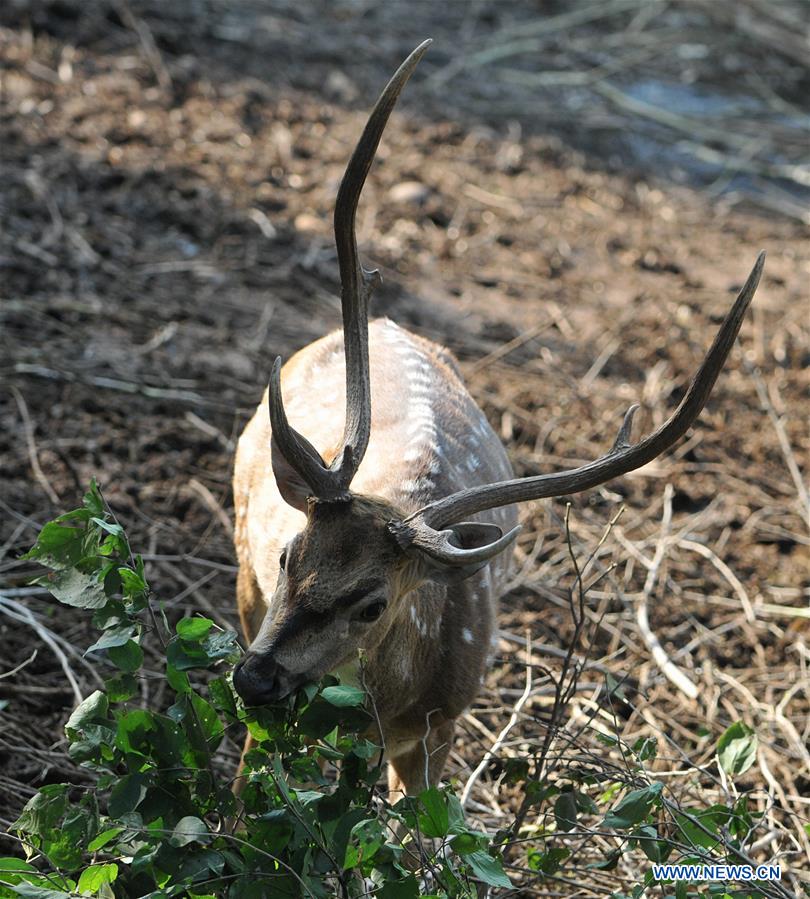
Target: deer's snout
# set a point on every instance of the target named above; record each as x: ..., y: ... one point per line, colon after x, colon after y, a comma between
x: 259, y: 680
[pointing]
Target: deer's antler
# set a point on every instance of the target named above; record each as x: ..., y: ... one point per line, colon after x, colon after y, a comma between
x: 332, y: 482
x: 425, y: 527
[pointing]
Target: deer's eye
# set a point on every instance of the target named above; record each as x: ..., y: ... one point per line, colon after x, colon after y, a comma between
x: 372, y: 611
x: 282, y: 559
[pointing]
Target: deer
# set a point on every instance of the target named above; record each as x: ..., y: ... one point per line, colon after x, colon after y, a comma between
x: 390, y: 547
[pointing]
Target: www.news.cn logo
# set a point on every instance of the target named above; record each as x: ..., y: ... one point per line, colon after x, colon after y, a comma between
x: 717, y: 872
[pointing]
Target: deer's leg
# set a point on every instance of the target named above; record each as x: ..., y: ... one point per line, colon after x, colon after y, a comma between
x: 420, y: 766
x: 412, y: 770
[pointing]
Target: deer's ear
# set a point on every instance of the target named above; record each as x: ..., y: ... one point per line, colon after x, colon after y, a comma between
x: 470, y: 535
x: 292, y: 487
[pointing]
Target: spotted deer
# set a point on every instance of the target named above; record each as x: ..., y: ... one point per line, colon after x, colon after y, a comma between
x: 393, y: 540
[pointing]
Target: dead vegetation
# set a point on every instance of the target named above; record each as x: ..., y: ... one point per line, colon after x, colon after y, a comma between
x: 166, y: 202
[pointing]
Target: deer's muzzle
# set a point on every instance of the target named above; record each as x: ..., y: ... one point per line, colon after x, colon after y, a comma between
x: 260, y: 680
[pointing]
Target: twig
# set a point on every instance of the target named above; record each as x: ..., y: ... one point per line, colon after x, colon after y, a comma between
x: 425, y: 745
x: 20, y: 666
x: 781, y: 434
x: 507, y: 348
x: 147, y: 40
x: 20, y: 613
x: 28, y: 426
x: 158, y: 393
x: 526, y: 37
x: 212, y: 503
x: 727, y: 573
x: 784, y: 611
x: 668, y: 667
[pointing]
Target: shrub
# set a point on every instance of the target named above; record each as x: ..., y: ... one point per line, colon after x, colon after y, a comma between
x: 161, y: 819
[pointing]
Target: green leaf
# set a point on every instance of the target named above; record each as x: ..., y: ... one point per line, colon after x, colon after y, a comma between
x: 488, y: 869
x: 127, y: 794
x: 93, y: 500
x: 465, y: 843
x: 194, y: 628
x: 548, y: 862
x: 189, y: 830
x: 42, y: 811
x: 222, y: 696
x: 12, y: 870
x: 702, y: 827
x: 436, y: 819
x: 92, y: 879
x: 367, y: 838
x: 399, y: 889
x: 103, y: 838
x: 132, y: 582
x: 121, y: 687
x: 646, y: 748
x: 178, y: 680
x: 344, y: 696
x: 133, y: 729
x: 115, y: 529
x: 565, y: 811
x: 115, y: 636
x: 30, y: 891
x: 213, y: 728
x: 74, y: 588
x: 737, y: 749
x: 128, y: 657
x: 64, y: 845
x: 647, y: 836
x: 58, y: 546
x: 634, y: 808
x: 93, y: 710
x: 187, y: 654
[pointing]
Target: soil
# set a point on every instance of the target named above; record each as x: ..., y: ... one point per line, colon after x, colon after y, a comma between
x: 168, y: 179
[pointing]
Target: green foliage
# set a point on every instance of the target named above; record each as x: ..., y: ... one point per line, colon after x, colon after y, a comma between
x: 162, y: 820
x: 737, y: 749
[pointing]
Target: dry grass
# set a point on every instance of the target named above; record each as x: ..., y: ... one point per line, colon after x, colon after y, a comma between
x: 163, y: 239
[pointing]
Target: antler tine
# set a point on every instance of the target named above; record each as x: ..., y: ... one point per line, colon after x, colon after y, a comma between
x: 621, y: 458
x: 357, y: 284
x: 295, y: 448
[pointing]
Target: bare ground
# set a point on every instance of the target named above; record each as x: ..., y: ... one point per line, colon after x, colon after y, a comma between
x: 166, y: 199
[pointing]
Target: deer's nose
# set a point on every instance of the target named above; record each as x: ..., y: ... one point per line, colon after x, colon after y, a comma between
x: 258, y: 679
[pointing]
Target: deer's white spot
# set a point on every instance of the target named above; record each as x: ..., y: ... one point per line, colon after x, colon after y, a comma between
x: 421, y: 409
x: 421, y: 379
x: 467, y: 635
x: 422, y: 427
x: 410, y: 486
x: 420, y: 624
x: 412, y: 454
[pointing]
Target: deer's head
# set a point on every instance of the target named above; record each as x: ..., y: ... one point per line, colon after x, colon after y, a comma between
x: 341, y: 580
x: 340, y: 587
